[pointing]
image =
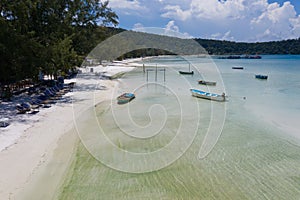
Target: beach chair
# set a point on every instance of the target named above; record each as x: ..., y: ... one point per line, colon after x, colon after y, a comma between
x: 23, y: 108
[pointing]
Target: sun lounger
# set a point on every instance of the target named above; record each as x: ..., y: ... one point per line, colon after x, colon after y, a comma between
x: 4, y: 124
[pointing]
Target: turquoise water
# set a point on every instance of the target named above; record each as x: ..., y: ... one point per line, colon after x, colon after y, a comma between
x: 184, y: 147
x: 276, y: 100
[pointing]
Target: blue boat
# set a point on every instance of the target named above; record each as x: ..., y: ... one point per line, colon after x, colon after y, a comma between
x: 125, y: 98
x: 207, y: 95
x: 260, y: 76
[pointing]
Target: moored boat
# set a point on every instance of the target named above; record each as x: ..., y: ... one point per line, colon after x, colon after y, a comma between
x: 186, y: 73
x: 260, y: 76
x: 125, y: 98
x: 207, y: 95
x: 237, y: 67
x: 212, y: 83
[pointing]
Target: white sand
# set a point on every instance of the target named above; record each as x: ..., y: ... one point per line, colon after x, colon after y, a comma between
x: 34, y: 164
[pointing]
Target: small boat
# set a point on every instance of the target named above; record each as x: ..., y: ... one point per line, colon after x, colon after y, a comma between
x: 125, y: 98
x: 202, y: 82
x: 207, y: 95
x: 237, y: 67
x: 187, y: 73
x: 260, y: 76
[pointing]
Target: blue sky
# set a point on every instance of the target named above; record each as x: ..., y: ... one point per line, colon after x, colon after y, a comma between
x: 236, y: 20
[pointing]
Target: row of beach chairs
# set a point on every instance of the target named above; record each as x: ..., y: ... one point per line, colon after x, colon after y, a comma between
x: 43, y: 96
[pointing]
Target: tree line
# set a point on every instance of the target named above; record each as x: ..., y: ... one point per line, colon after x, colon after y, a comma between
x: 54, y: 36
x: 216, y: 47
x: 49, y: 36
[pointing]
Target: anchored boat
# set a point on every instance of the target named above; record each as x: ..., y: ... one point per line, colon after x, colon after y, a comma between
x: 237, y: 67
x: 212, y: 83
x: 207, y: 95
x: 187, y: 72
x: 260, y: 76
x: 125, y: 98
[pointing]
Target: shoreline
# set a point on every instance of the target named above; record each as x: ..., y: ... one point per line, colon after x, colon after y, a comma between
x: 34, y: 165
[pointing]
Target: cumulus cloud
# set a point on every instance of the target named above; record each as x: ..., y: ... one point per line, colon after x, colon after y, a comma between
x: 126, y: 4
x: 171, y: 26
x: 176, y: 12
x: 170, y: 29
x: 241, y: 20
x: 254, y: 19
x: 138, y: 26
x: 173, y: 30
x: 277, y: 22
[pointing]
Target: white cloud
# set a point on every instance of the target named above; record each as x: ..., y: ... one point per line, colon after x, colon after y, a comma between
x: 278, y: 22
x: 171, y: 26
x: 254, y: 20
x: 176, y: 12
x: 171, y: 29
x: 138, y: 26
x: 226, y: 36
x: 126, y: 4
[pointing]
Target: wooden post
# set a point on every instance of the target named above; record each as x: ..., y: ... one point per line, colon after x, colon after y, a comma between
x: 147, y: 75
x: 156, y: 73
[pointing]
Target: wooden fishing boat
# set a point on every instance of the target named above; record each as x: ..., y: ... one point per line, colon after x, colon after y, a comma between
x: 187, y: 72
x: 125, y: 98
x: 211, y: 83
x: 260, y: 76
x: 237, y: 67
x: 207, y: 95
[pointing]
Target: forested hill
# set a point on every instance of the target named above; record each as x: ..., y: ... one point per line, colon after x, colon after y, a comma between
x: 218, y: 47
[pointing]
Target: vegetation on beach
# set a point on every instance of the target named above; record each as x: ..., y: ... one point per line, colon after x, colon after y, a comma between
x: 49, y: 36
x: 53, y: 37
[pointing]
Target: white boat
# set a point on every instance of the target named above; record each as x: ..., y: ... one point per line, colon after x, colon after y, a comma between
x: 207, y: 95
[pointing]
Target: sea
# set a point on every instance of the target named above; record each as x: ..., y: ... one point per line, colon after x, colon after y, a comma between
x: 167, y: 144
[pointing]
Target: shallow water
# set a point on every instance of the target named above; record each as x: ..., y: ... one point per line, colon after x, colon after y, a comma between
x: 165, y: 128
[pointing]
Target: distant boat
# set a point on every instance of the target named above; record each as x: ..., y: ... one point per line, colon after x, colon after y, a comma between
x: 237, y: 67
x: 253, y: 57
x: 212, y: 83
x: 260, y: 76
x: 125, y: 98
x: 240, y: 57
x: 187, y: 73
x: 207, y: 95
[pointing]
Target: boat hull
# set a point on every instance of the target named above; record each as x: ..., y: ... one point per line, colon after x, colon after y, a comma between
x: 125, y: 98
x: 211, y: 83
x: 207, y: 95
x: 186, y: 73
x: 259, y: 76
x: 238, y: 68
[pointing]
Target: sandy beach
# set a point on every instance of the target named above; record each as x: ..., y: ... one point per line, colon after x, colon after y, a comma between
x: 35, y: 160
